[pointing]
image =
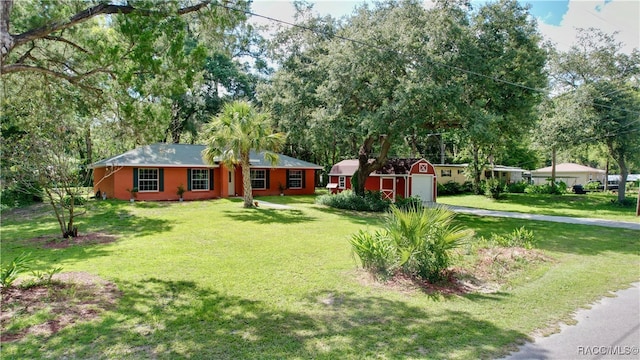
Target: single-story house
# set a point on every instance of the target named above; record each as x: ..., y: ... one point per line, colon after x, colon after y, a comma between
x: 157, y: 170
x: 398, y: 177
x: 456, y: 173
x: 569, y: 173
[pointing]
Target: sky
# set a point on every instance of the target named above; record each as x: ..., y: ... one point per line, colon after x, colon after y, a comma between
x: 557, y: 19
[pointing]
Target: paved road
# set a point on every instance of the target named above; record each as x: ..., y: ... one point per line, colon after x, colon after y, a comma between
x: 609, y: 330
x: 561, y: 219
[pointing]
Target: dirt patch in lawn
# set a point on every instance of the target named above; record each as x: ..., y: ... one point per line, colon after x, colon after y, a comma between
x: 52, y: 242
x: 492, y: 268
x: 46, y: 309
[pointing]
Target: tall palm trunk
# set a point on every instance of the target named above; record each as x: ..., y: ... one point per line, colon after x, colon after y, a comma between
x: 246, y: 181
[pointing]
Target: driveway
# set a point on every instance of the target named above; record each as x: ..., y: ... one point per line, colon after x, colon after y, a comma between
x: 610, y: 329
x: 561, y: 219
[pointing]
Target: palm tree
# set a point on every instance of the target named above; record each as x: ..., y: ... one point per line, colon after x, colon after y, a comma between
x: 237, y: 130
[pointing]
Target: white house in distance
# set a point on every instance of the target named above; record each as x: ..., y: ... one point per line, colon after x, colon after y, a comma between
x: 569, y: 173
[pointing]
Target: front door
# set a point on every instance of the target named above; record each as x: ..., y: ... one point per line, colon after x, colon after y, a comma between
x: 232, y: 182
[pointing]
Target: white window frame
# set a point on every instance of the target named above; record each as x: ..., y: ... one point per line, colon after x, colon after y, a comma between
x: 445, y: 172
x: 341, y: 182
x: 195, y: 180
x: 254, y: 177
x: 143, y: 177
x: 295, y: 175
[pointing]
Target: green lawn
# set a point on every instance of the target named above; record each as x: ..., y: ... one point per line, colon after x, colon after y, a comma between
x: 592, y: 205
x: 212, y: 280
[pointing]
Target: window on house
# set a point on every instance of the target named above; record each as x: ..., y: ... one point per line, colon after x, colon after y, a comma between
x: 148, y: 180
x: 295, y: 179
x: 258, y: 179
x: 445, y: 173
x: 199, y: 179
x: 460, y: 171
x: 341, y: 181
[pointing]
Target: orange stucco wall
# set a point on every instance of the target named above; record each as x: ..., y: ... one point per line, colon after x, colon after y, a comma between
x: 116, y: 182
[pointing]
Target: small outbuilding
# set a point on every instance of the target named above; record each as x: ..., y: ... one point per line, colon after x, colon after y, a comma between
x: 157, y: 171
x: 569, y: 173
x: 397, y: 178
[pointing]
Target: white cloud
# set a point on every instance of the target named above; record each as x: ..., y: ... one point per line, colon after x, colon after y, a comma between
x: 618, y: 15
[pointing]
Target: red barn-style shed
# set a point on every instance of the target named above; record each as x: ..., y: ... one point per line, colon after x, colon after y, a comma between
x: 156, y: 171
x: 398, y: 177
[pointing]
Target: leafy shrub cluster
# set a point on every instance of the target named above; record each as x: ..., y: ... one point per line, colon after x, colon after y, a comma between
x: 416, y: 241
x: 454, y: 188
x: 559, y: 189
x: 349, y: 200
x: 20, y: 264
x: 520, y: 237
x: 494, y: 188
x: 517, y: 188
x: 15, y: 196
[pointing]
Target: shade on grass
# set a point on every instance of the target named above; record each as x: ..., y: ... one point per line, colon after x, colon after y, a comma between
x: 213, y: 280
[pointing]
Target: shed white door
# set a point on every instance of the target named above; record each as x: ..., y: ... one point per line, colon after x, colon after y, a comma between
x: 232, y: 183
x: 422, y: 186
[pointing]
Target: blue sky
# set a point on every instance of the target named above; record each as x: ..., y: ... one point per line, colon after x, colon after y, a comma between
x: 557, y: 19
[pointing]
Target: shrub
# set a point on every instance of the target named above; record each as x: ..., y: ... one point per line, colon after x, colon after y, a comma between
x: 453, y: 188
x: 77, y: 200
x: 348, y: 200
x: 407, y: 203
x: 494, y: 188
x: 15, y: 196
x: 517, y: 188
x: 417, y: 241
x: 520, y: 237
x: 9, y: 273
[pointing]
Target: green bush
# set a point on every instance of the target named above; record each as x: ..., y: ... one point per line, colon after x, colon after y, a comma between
x: 517, y: 188
x: 453, y: 188
x: 559, y: 189
x: 15, y: 196
x: 77, y: 200
x: 348, y: 200
x: 407, y: 203
x: 520, y: 237
x: 417, y: 241
x: 494, y: 188
x: 9, y: 273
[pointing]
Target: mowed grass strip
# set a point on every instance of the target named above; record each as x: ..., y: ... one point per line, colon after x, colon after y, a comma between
x: 213, y: 280
x: 591, y: 205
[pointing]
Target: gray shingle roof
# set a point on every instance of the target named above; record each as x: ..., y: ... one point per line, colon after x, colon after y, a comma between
x: 183, y: 155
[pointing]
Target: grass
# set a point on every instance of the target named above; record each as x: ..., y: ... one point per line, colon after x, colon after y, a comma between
x: 212, y: 280
x: 591, y: 205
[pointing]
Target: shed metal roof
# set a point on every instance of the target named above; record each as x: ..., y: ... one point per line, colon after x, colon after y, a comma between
x: 185, y: 155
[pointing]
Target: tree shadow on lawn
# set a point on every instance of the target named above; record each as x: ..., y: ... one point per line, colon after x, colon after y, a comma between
x: 269, y: 216
x: 356, y: 217
x: 177, y: 319
x: 551, y: 236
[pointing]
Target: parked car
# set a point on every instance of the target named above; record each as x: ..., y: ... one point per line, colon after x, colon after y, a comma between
x: 596, y: 185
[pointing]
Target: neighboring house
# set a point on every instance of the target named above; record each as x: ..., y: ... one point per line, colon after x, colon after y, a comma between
x: 157, y: 170
x: 399, y: 177
x: 569, y: 173
x: 456, y: 173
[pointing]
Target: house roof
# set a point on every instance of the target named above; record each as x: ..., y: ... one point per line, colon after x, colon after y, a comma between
x: 495, y: 167
x: 184, y: 155
x: 568, y: 168
x: 392, y: 166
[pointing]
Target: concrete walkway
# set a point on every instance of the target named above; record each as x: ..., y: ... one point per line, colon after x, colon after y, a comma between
x: 610, y: 329
x: 560, y: 219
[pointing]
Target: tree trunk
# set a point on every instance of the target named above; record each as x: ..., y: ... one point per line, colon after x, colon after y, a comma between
x: 246, y: 181
x: 475, y: 168
x: 624, y: 172
x: 553, y: 167
x: 606, y: 176
x: 365, y: 167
